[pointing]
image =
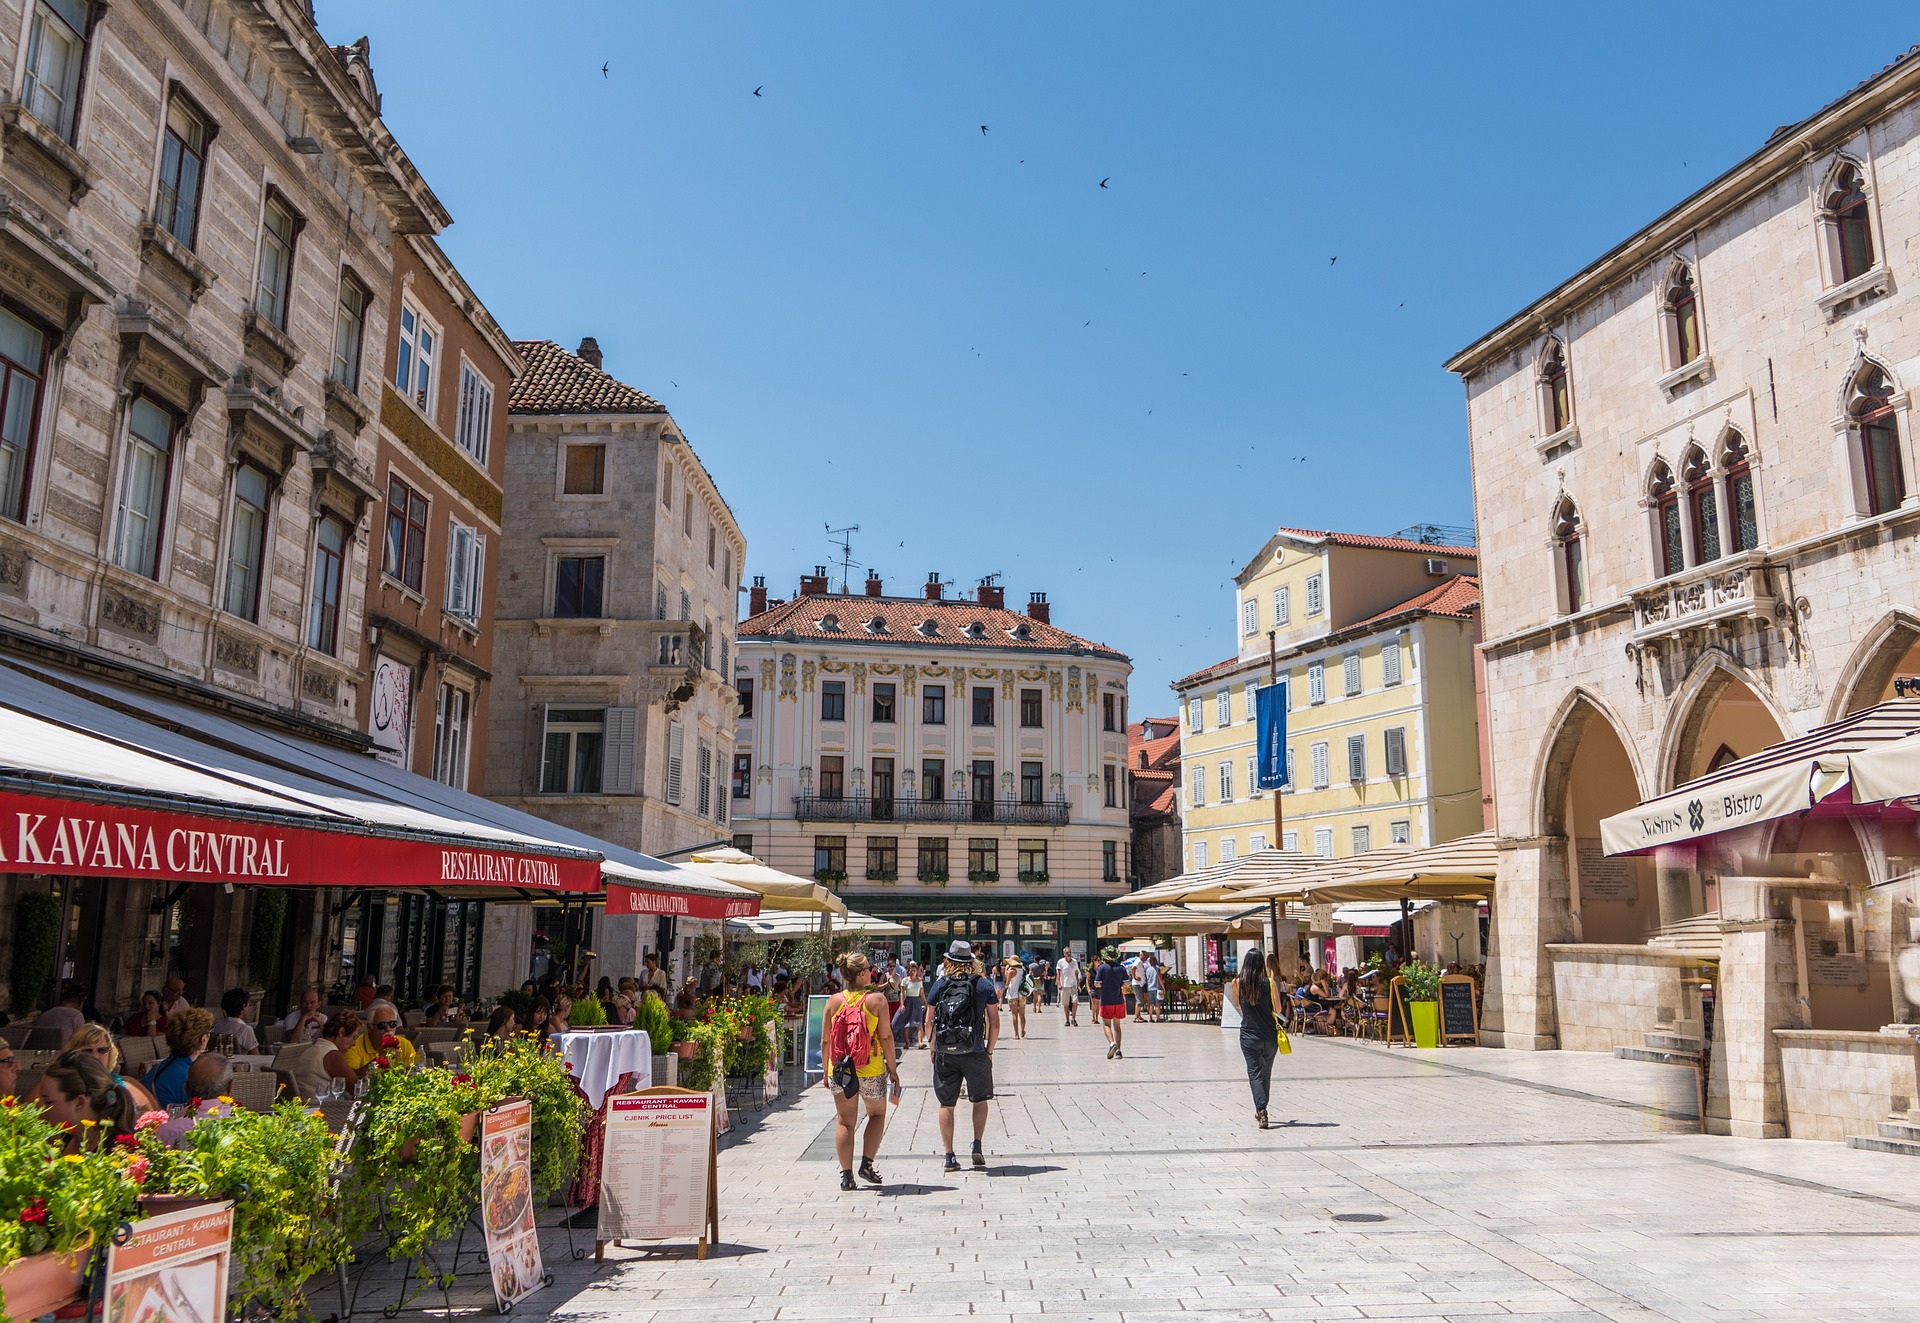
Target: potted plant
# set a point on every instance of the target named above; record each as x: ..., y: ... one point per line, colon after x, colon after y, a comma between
x: 651, y: 1018
x: 683, y: 1042
x: 1423, y: 1002
x: 55, y: 1210
x: 983, y: 875
x: 1034, y: 876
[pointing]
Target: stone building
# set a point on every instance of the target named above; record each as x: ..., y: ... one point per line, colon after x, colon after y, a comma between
x: 613, y: 626
x: 1153, y: 782
x: 186, y: 459
x: 951, y: 765
x: 1694, y: 474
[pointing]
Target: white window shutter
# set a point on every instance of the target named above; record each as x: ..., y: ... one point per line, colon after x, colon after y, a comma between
x: 1317, y: 682
x: 1320, y: 764
x: 676, y: 754
x: 1256, y: 843
x: 1351, y: 666
x: 1356, y: 757
x: 1323, y: 842
x: 1390, y: 662
x: 1282, y: 606
x: 1289, y: 780
x: 1397, y: 751
x: 1199, y: 786
x: 1199, y: 854
x: 1253, y: 774
x: 1313, y: 595
x: 1223, y: 708
x: 1194, y: 709
x: 1227, y: 850
x: 1290, y: 841
x: 619, y: 749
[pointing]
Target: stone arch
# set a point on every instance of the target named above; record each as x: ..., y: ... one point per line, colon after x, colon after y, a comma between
x: 1696, y: 726
x: 1552, y: 774
x: 1589, y: 772
x: 1875, y: 660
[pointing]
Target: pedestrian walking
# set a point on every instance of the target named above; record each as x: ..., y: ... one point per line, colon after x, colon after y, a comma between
x: 906, y: 1023
x: 864, y: 1068
x: 1155, y: 1008
x: 1043, y: 979
x: 963, y: 1024
x: 1138, y: 979
x: 1016, y: 995
x: 1253, y: 996
x: 1110, y: 989
x: 1067, y: 976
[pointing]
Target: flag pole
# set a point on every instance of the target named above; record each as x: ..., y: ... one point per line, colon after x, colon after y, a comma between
x: 1279, y: 813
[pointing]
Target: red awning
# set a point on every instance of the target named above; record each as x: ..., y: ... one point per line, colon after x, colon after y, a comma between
x: 41, y: 834
x: 623, y: 899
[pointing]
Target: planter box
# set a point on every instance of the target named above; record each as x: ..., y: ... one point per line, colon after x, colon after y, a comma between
x: 40, y: 1283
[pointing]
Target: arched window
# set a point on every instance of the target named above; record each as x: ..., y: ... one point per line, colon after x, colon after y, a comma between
x: 1852, y: 228
x: 1570, y: 552
x: 1683, y: 318
x: 1743, y: 521
x: 1871, y: 409
x: 1669, y: 547
x: 1703, y: 505
x: 1555, y: 399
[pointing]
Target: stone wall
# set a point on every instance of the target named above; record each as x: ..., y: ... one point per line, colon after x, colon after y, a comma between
x: 1839, y: 1082
x: 1611, y: 996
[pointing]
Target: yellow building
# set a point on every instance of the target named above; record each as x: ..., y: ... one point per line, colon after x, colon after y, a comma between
x: 1374, y: 638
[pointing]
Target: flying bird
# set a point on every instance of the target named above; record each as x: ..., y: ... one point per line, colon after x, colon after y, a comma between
x: 756, y: 91
x: 1103, y: 182
x: 983, y: 130
x: 604, y: 68
x: 1332, y: 260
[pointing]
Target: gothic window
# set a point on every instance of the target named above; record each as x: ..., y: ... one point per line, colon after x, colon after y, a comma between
x: 1877, y: 439
x: 1743, y: 523
x: 1849, y: 225
x: 1556, y: 401
x: 1669, y: 547
x: 1569, y: 550
x: 1682, y: 314
x: 1703, y: 506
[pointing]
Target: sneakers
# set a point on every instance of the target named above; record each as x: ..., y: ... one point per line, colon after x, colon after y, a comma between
x: 846, y: 1180
x: 1117, y: 1052
x: 1111, y: 1049
x: 868, y: 1172
x: 952, y: 1164
x: 979, y: 1160
x: 1260, y: 1119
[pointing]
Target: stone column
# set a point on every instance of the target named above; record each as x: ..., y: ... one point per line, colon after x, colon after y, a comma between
x: 1675, y: 889
x: 1758, y: 992
x: 1531, y: 907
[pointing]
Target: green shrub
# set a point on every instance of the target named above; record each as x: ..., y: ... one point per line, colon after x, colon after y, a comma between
x: 269, y: 924
x: 1423, y: 981
x: 587, y: 1013
x: 36, y: 937
x: 651, y: 1015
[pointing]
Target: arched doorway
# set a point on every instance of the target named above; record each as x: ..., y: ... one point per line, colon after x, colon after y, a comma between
x: 1590, y: 777
x: 1887, y: 653
x: 1723, y: 720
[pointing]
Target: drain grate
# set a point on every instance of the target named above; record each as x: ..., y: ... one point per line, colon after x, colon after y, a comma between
x: 1359, y: 1217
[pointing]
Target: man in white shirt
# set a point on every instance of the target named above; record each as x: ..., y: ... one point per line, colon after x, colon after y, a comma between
x: 234, y: 1023
x: 68, y: 1015
x: 306, y: 1019
x: 173, y: 995
x: 1067, y: 975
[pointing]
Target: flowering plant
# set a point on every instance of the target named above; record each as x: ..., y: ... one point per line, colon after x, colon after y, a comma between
x: 53, y: 1200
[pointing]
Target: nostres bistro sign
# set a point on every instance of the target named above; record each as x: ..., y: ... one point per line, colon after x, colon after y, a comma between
x: 44, y: 835
x: 623, y: 899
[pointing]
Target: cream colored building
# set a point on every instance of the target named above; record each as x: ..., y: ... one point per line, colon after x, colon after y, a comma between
x: 1695, y: 479
x: 1374, y: 638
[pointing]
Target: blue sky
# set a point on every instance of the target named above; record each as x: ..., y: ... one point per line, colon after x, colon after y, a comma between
x: 863, y: 310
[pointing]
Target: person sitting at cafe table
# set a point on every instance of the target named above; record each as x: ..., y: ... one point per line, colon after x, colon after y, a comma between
x: 187, y: 1033
x: 69, y: 1015
x: 306, y: 1019
x: 381, y: 1044
x: 315, y: 1067
x: 233, y: 1023
x: 209, y: 1090
x: 78, y: 1092
x: 364, y: 995
x: 503, y: 1026
x: 95, y: 1041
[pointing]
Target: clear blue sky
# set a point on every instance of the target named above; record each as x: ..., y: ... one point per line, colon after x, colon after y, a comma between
x: 865, y: 311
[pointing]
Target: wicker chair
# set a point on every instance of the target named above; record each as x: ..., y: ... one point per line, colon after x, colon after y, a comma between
x: 254, y: 1090
x: 140, y: 1049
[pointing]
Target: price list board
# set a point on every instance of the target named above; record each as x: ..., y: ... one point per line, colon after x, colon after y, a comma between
x: 658, y: 1169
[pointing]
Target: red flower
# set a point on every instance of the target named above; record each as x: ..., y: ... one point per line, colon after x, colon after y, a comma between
x: 388, y: 1043
x: 463, y: 1079
x: 137, y: 1171
x: 35, y: 1212
x: 382, y: 1062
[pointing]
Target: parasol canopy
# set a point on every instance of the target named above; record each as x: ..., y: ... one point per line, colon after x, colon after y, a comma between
x: 777, y: 890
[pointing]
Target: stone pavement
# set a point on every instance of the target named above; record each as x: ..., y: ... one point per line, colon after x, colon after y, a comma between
x: 1547, y: 1185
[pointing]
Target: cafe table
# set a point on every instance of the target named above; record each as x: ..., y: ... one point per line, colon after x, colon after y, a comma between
x: 599, y: 1058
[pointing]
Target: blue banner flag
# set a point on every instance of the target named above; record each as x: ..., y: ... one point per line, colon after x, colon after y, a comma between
x: 1270, y: 712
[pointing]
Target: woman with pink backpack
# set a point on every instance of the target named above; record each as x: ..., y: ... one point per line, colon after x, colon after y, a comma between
x: 861, y: 1065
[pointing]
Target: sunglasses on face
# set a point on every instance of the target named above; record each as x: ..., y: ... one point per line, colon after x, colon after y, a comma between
x: 7, y: 1060
x: 385, y: 1025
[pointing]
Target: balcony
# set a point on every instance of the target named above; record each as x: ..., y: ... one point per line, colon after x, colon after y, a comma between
x: 1724, y: 592
x: 867, y: 808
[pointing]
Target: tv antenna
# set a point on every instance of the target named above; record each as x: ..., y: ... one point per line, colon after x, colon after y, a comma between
x: 843, y: 539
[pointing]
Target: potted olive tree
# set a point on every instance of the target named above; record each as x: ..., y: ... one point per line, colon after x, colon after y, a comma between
x: 1423, y: 1002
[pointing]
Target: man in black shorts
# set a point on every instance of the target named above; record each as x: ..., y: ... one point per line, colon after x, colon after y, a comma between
x: 963, y: 1024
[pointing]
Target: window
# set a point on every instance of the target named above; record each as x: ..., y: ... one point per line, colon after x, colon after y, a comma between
x: 1669, y: 547
x: 743, y: 842
x: 713, y: 544
x: 706, y: 779
x: 1321, y: 778
x: 1194, y: 719
x: 833, y: 700
x: 1109, y: 861
x: 1282, y: 606
x: 146, y: 464
x: 575, y: 737
x: 274, y: 283
x: 1030, y: 709
x: 744, y: 688
x: 1703, y: 508
x: 1556, y: 400
x: 405, y: 556
x: 1249, y: 617
x: 1288, y: 783
x: 1228, y: 850
x: 983, y: 859
x: 742, y: 775
x: 1253, y: 775
x: 1251, y: 703
x: 1362, y: 839
x: 247, y: 541
x: 466, y: 570
x: 1397, y: 751
x: 1850, y: 230
x: 1323, y: 842
x: 982, y: 790
x: 56, y: 52
x: 1877, y: 440
x: 1682, y: 317
x: 666, y: 485
x: 1356, y: 757
x: 1315, y: 603
x: 1031, y: 783
x: 323, y: 598
x: 1390, y: 663
x: 1199, y: 854
x: 1033, y: 861
x: 183, y: 156
x: 883, y: 703
x: 676, y: 756
x: 659, y: 600
x: 23, y: 358
x: 451, y: 719
x: 1316, y: 682
x: 1350, y: 673
x: 1256, y: 842
x: 983, y: 705
x: 1198, y: 797
x: 933, y: 859
x: 1570, y: 552
x: 349, y: 332
x: 883, y: 858
x: 833, y: 776
x: 584, y: 468
x: 686, y: 606
x: 579, y: 587
x: 1290, y: 841
x: 686, y: 513
x: 830, y: 856
x: 1110, y: 719
x: 1223, y: 708
x: 413, y: 364
x: 1226, y: 783
x: 933, y: 705
x: 1112, y: 777
x: 473, y: 424
x: 880, y: 789
x: 1400, y: 833
x: 933, y: 778
x: 1743, y: 523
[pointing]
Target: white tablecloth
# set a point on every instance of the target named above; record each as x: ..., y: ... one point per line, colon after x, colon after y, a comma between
x: 598, y: 1060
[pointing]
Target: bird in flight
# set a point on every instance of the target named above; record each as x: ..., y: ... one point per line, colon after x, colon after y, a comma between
x: 756, y: 91
x: 1103, y: 182
x: 604, y: 68
x: 983, y: 130
x: 1332, y: 260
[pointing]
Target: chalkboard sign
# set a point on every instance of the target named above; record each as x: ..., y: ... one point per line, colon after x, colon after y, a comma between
x: 1458, y: 1018
x: 1399, y: 1027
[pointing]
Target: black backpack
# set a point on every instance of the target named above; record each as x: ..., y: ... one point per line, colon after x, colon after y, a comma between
x: 956, y: 1025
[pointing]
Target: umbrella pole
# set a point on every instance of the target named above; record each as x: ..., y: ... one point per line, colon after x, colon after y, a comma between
x: 1406, y: 929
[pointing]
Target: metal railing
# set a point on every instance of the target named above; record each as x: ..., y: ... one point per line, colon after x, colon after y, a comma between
x: 867, y: 808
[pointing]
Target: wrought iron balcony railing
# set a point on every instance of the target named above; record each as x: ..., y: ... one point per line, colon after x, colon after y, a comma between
x: 868, y: 808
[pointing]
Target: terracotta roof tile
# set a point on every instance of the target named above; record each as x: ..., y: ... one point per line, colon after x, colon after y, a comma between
x: 1207, y: 672
x: 902, y: 620
x: 557, y: 381
x: 1458, y: 597
x: 1163, y: 750
x: 1373, y: 543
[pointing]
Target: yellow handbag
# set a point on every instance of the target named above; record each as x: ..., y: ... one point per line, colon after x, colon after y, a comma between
x: 1282, y: 1043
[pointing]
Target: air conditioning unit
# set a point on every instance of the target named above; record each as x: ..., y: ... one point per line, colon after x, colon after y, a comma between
x: 1436, y: 567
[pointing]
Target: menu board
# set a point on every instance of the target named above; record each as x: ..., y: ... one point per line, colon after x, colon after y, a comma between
x: 816, y: 1033
x: 173, y: 1268
x: 506, y: 1202
x: 657, y: 1167
x: 1458, y: 1016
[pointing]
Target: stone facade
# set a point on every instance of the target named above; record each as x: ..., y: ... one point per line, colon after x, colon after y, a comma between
x: 1838, y: 1084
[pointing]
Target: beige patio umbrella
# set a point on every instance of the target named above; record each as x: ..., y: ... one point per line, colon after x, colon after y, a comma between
x: 778, y: 891
x: 794, y: 924
x: 1462, y: 869
x: 1185, y: 921
x: 1221, y: 883
x: 1294, y: 883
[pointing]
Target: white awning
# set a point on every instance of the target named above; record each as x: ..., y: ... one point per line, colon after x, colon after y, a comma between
x: 1887, y: 771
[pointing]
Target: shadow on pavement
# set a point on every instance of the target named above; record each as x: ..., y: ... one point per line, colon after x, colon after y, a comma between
x: 896, y: 1191
x: 1018, y: 1170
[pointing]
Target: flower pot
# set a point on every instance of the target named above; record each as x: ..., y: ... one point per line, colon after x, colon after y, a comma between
x: 41, y: 1283
x: 1426, y: 1023
x: 685, y: 1048
x: 153, y: 1205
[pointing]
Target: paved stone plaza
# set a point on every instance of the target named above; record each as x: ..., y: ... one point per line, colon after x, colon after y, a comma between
x: 1550, y: 1185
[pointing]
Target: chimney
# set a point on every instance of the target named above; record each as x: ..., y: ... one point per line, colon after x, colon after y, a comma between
x: 757, y: 596
x: 815, y: 584
x: 590, y: 351
x: 934, y: 592
x: 873, y: 585
x: 1037, y: 608
x: 990, y: 594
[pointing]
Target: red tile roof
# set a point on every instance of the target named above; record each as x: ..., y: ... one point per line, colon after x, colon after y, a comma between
x: 902, y: 618
x: 557, y: 381
x: 1207, y: 672
x: 1154, y: 793
x: 1163, y: 750
x: 1372, y: 543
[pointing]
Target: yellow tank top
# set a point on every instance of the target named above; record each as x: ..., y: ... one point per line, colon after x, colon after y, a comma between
x: 877, y: 1058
